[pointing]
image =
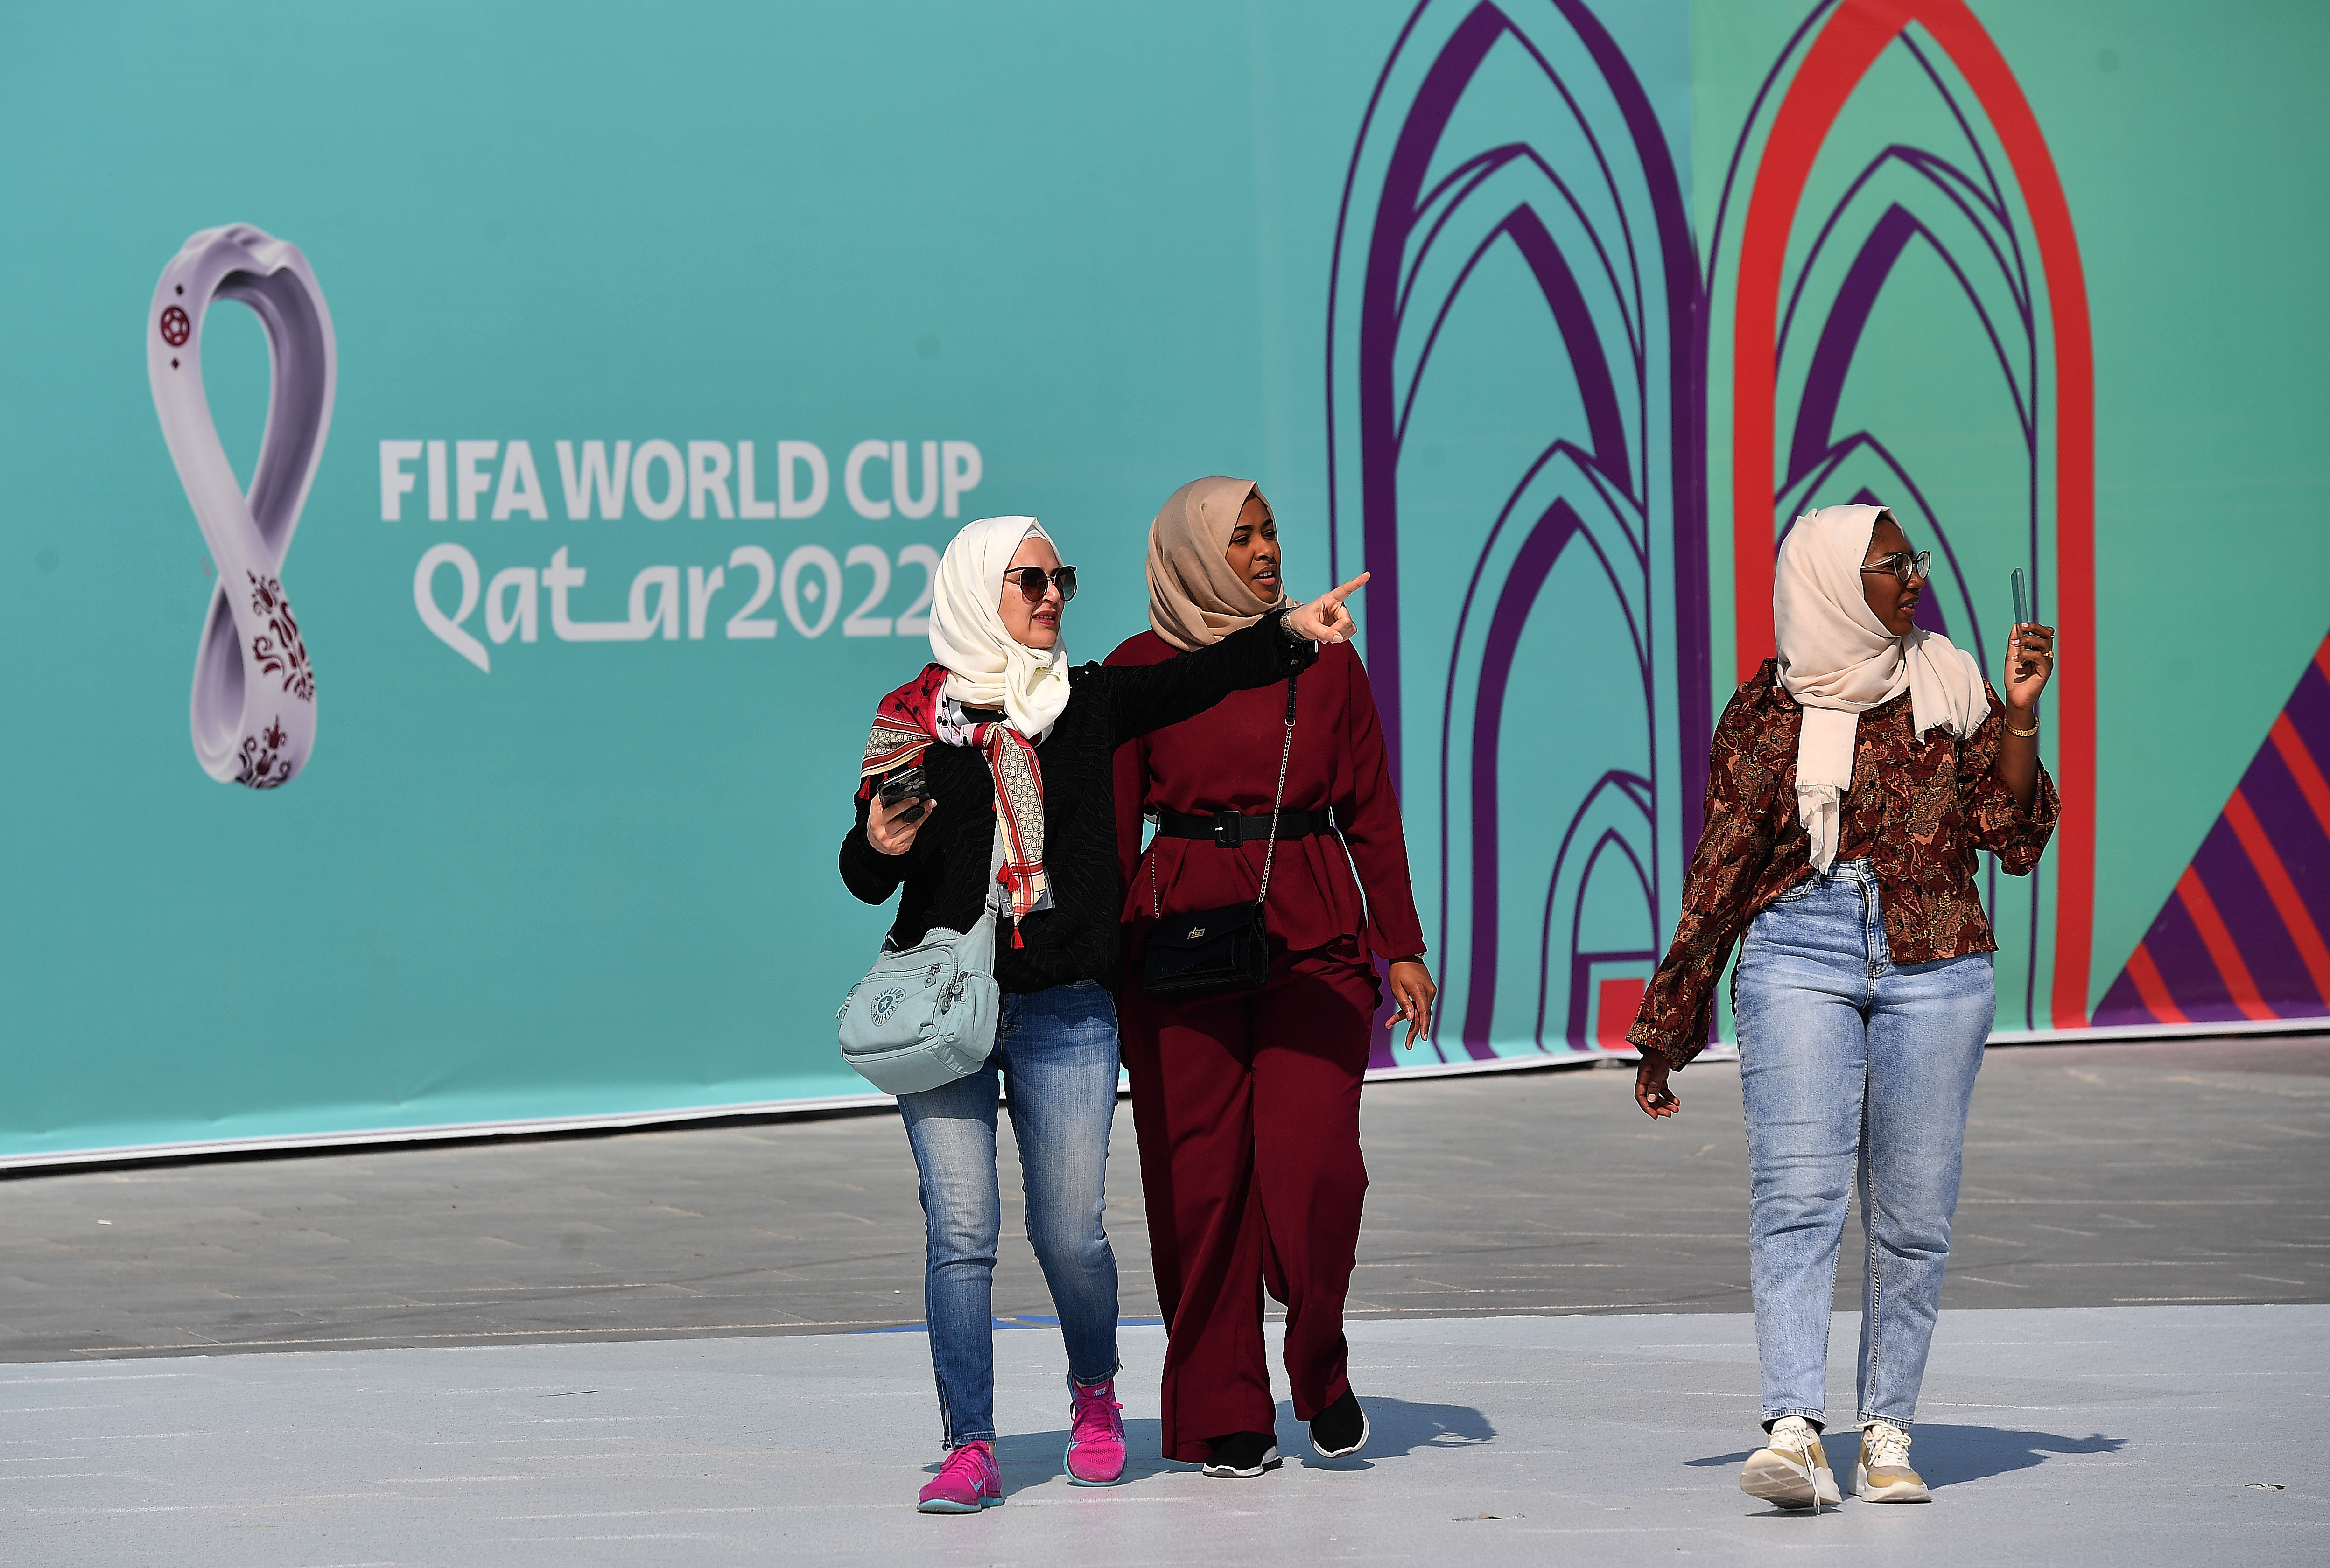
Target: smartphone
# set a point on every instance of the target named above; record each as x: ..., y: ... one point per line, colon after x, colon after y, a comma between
x: 2021, y: 599
x: 910, y: 784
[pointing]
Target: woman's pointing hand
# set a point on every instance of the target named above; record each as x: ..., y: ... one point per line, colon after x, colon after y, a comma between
x: 1324, y: 618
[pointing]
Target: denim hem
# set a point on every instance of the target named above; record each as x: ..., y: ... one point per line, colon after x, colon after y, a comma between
x: 1819, y: 1418
x: 1081, y: 1381
x: 953, y: 1443
x: 1864, y: 1418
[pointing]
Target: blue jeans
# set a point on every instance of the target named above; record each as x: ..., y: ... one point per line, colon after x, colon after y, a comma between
x: 1851, y: 1067
x: 1056, y: 1050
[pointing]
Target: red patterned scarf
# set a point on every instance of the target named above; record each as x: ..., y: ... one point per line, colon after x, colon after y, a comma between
x: 919, y: 714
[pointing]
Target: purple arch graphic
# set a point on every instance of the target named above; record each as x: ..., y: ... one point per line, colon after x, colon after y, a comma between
x: 1522, y: 585
x: 1602, y: 232
x: 1650, y: 268
x: 1582, y: 960
x: 1557, y: 528
x: 1397, y: 207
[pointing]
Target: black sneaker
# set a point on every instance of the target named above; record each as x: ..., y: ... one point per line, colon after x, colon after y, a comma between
x: 1340, y: 1429
x: 1243, y: 1455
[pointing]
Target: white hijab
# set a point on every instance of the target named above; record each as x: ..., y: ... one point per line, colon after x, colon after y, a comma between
x: 990, y: 668
x: 1838, y: 660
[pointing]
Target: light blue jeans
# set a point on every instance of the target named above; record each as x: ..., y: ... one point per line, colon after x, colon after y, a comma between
x: 1056, y: 1052
x: 1851, y: 1067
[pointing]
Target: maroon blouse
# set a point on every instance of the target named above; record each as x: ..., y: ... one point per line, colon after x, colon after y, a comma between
x: 1226, y: 758
x: 1918, y: 811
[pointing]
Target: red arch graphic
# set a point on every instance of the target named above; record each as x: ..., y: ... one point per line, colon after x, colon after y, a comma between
x: 1847, y: 46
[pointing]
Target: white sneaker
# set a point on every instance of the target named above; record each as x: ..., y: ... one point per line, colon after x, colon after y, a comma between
x: 1882, y: 1473
x: 1792, y: 1467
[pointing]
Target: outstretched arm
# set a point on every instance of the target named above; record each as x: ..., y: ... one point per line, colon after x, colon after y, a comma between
x: 1145, y: 697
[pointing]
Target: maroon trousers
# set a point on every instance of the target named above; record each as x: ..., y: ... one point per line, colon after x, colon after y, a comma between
x: 1247, y: 1107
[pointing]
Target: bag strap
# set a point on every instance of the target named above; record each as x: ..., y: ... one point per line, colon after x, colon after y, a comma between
x: 1285, y: 755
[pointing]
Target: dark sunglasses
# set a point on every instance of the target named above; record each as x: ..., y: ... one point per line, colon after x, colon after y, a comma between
x: 1034, y: 579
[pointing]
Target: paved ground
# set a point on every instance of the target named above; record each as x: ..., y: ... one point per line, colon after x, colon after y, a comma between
x: 2095, y: 1176
x: 2100, y: 1436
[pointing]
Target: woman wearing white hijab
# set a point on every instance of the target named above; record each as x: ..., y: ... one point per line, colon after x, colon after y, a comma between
x: 1015, y: 747
x: 1851, y: 783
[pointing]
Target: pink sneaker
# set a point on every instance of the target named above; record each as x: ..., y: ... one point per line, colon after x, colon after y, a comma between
x: 968, y: 1482
x: 1095, y: 1455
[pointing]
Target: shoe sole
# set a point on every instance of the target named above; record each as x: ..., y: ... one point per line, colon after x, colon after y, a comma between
x: 1225, y: 1473
x: 1075, y: 1479
x: 1893, y: 1492
x: 1326, y: 1453
x: 942, y: 1505
x: 1779, y: 1480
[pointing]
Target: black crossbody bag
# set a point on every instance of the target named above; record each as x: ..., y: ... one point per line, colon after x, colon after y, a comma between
x: 1221, y: 950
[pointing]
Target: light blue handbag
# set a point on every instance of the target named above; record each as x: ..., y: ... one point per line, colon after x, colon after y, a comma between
x: 925, y: 1016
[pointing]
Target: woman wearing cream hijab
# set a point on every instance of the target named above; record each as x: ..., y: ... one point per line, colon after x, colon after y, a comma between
x: 1247, y: 1103
x: 1015, y: 748
x: 1851, y: 783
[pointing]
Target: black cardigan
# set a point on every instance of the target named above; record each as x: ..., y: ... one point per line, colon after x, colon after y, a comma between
x: 945, y: 872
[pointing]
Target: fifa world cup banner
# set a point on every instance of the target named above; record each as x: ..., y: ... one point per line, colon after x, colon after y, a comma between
x: 441, y: 674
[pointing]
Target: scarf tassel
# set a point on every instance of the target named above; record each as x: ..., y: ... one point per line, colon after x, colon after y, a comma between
x: 1021, y: 881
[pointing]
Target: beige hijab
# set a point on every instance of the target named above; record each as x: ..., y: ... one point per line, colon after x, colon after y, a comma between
x: 1838, y: 660
x: 1195, y: 599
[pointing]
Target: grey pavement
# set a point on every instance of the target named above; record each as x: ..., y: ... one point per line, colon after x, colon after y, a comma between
x: 2096, y: 1436
x: 2097, y: 1176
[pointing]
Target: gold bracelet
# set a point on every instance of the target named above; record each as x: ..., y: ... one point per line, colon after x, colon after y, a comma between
x: 2022, y: 734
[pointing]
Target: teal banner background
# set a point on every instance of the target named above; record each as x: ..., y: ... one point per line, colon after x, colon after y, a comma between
x: 1107, y: 248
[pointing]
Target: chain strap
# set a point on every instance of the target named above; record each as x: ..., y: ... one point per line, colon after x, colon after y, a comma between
x: 1285, y: 753
x: 1278, y: 801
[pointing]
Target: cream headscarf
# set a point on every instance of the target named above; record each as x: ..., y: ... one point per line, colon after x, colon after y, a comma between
x: 1195, y: 599
x: 1838, y: 660
x: 989, y: 667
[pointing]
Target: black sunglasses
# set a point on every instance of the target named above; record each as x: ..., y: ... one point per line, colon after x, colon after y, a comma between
x: 1034, y: 579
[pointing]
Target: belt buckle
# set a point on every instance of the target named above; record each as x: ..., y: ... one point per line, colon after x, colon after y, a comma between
x: 1228, y: 828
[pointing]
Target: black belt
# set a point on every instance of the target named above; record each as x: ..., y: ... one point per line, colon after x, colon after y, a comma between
x: 1230, y: 828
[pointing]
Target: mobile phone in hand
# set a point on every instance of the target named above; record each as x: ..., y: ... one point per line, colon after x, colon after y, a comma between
x: 2017, y: 664
x: 911, y: 784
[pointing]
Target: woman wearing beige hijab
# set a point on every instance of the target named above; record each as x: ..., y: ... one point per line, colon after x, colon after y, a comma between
x: 1851, y: 784
x: 1246, y: 1101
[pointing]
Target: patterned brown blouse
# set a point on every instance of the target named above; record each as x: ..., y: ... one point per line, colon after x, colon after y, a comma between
x: 1916, y: 810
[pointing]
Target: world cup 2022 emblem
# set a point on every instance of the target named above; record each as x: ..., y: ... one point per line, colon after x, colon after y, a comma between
x: 254, y: 708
